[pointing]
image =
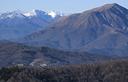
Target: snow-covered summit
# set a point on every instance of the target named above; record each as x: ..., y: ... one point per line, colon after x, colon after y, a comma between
x: 54, y: 14
x: 13, y: 14
x: 35, y: 12
x: 30, y: 14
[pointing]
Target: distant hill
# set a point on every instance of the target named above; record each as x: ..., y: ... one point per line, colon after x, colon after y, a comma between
x: 13, y: 54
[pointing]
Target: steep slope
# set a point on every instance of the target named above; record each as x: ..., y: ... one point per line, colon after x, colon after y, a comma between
x: 17, y: 24
x: 78, y: 30
x: 112, y: 43
x: 13, y: 53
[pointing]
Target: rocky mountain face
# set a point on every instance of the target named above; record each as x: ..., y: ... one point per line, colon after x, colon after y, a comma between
x: 17, y: 24
x: 103, y: 30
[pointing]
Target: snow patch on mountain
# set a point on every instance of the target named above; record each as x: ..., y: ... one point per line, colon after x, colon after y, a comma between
x: 34, y: 12
x: 52, y: 14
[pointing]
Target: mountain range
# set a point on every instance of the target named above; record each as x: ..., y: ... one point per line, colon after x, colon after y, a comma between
x: 102, y: 30
x: 37, y: 37
x: 17, y: 24
x: 91, y: 46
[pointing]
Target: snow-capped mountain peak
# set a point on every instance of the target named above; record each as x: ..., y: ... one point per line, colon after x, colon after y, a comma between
x: 35, y: 12
x: 32, y: 13
x: 40, y: 13
x: 52, y: 14
x: 12, y: 14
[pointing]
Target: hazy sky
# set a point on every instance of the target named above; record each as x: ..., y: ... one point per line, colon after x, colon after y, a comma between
x: 66, y: 6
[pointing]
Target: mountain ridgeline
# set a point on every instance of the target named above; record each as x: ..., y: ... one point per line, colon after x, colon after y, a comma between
x: 102, y: 30
x: 16, y: 24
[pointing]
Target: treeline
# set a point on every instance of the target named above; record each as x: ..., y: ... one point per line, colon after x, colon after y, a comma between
x: 113, y: 71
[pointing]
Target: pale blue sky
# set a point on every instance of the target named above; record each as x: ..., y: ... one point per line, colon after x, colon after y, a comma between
x: 66, y: 6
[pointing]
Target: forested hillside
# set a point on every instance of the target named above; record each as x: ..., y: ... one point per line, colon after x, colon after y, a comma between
x: 113, y: 71
x: 13, y: 53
